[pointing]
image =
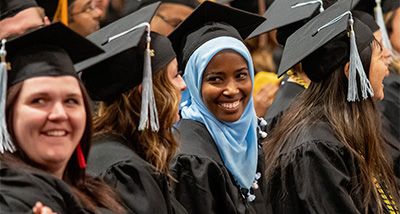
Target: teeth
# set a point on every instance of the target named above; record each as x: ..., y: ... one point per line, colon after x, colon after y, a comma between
x: 230, y: 105
x: 56, y: 133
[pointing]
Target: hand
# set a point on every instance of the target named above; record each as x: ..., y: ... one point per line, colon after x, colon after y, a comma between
x: 263, y: 98
x: 39, y: 208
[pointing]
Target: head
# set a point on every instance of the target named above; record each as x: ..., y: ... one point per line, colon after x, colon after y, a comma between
x: 121, y: 96
x: 83, y: 17
x: 47, y: 109
x: 169, y: 16
x: 394, y: 30
x: 226, y: 85
x: 24, y: 21
x: 47, y: 117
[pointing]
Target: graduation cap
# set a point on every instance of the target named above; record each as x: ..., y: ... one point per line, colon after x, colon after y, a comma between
x: 377, y: 8
x: 208, y: 21
x: 134, y: 5
x: 48, y: 51
x: 323, y: 45
x: 296, y: 12
x: 126, y: 62
x: 9, y: 8
x: 367, y: 19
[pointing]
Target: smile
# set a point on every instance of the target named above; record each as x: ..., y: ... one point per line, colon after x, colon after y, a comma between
x: 230, y: 106
x: 56, y: 133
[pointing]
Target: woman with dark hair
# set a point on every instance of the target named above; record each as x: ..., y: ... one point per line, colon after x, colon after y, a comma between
x: 132, y: 158
x: 326, y: 153
x: 49, y: 124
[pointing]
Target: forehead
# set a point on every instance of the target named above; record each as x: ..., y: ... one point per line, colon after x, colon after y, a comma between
x: 47, y: 84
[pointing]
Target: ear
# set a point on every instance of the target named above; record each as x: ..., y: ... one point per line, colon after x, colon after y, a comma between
x: 140, y: 88
x: 346, y: 69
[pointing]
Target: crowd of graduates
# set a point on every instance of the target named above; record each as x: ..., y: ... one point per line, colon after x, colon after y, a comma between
x: 187, y: 106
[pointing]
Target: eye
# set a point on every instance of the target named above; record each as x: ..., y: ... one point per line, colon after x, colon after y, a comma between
x: 180, y: 73
x: 72, y: 101
x: 242, y: 75
x: 38, y: 101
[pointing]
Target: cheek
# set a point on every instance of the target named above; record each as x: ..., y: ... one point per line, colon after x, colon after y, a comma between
x: 78, y: 120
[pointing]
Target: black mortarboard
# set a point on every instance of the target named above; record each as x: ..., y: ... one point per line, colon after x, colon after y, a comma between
x: 296, y: 12
x: 367, y: 19
x: 9, y: 8
x: 120, y: 68
x: 48, y: 51
x: 323, y: 45
x: 208, y: 21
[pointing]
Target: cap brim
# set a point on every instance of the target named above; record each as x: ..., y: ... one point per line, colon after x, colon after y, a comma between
x: 77, y: 47
x: 306, y: 39
x: 122, y: 43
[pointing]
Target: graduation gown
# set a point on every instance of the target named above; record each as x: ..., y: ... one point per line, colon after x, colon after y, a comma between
x: 390, y: 108
x: 140, y: 187
x: 204, y: 184
x: 283, y: 98
x: 316, y: 174
x: 20, y: 189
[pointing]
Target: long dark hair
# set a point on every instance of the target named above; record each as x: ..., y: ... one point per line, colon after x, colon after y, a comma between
x: 90, y: 191
x: 121, y: 117
x: 355, y: 124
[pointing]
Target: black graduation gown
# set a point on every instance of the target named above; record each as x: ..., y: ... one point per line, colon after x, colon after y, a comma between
x: 283, y: 98
x: 319, y: 174
x: 390, y: 108
x: 204, y: 183
x: 20, y: 189
x: 141, y: 189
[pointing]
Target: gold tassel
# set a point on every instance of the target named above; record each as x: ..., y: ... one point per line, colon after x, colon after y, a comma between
x: 62, y: 12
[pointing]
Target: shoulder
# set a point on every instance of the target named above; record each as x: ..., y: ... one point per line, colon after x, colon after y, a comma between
x: 111, y: 152
x: 21, y: 189
x: 196, y: 141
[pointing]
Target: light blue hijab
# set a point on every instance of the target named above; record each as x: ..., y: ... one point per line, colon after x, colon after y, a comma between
x: 237, y: 141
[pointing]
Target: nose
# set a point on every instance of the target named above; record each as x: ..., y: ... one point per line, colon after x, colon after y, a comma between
x: 96, y: 13
x: 58, y: 112
x: 386, y: 53
x: 181, y: 84
x: 231, y: 88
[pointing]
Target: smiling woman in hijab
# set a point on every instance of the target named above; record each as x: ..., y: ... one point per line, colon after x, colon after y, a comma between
x: 218, y: 162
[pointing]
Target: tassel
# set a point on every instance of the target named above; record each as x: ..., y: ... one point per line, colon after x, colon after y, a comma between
x: 381, y: 24
x: 263, y: 134
x: 321, y: 4
x: 356, y: 66
x: 262, y: 121
x: 81, y: 158
x: 148, y: 112
x: 250, y: 197
x: 5, y: 139
x: 62, y: 12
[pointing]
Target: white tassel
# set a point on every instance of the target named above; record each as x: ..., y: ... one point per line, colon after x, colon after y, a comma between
x: 5, y: 140
x: 148, y: 112
x: 381, y: 23
x: 250, y: 197
x: 301, y: 4
x: 356, y: 67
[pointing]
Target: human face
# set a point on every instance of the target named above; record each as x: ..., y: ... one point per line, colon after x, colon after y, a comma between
x: 84, y: 17
x: 386, y: 53
x: 49, y: 120
x: 395, y: 35
x: 168, y: 17
x: 377, y: 72
x: 226, y: 86
x: 177, y: 81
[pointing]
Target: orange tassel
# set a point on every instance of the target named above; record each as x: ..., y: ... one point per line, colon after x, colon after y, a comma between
x: 62, y: 12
